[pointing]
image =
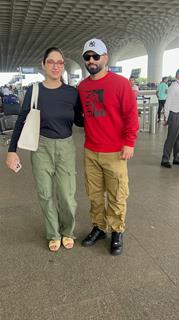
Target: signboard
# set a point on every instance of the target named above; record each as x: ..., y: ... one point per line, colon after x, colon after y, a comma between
x: 74, y: 76
x: 136, y: 73
x: 115, y: 69
x: 27, y: 70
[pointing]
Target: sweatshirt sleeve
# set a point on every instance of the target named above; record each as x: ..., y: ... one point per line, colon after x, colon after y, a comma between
x: 129, y: 114
x: 20, y: 120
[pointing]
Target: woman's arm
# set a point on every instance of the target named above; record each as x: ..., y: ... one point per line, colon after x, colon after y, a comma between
x: 20, y: 120
x: 78, y: 118
x: 12, y: 158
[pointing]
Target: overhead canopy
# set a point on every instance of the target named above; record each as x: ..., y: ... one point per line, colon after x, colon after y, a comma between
x: 29, y: 27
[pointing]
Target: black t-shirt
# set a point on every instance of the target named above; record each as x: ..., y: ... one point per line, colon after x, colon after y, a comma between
x: 59, y: 109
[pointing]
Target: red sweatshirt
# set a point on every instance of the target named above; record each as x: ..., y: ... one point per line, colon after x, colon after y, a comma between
x: 110, y: 113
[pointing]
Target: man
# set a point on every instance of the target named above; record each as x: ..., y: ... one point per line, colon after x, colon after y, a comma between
x: 6, y: 90
x: 111, y: 125
x: 134, y: 87
x: 162, y: 95
x: 171, y: 115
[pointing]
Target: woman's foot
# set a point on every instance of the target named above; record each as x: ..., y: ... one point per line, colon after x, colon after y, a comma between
x: 68, y: 243
x: 54, y: 245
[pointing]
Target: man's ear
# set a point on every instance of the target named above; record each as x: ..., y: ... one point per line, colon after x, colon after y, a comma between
x: 106, y: 59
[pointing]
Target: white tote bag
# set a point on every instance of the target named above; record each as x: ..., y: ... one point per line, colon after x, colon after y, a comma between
x: 29, y: 138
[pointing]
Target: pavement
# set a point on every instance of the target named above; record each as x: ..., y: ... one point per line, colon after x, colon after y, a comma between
x: 89, y: 283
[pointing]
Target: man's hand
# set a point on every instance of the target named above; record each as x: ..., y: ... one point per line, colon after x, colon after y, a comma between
x: 127, y: 152
x: 165, y: 121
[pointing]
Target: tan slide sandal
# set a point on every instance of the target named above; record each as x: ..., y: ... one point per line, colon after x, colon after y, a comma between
x: 68, y: 243
x: 54, y: 245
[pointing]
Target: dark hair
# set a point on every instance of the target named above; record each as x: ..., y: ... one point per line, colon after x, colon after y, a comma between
x: 164, y: 78
x: 49, y: 50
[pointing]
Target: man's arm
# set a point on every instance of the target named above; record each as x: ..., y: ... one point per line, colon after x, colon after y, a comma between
x: 168, y: 102
x: 130, y: 120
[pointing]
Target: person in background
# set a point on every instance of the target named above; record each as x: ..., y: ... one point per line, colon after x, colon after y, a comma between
x: 11, y: 91
x: 134, y: 86
x: 54, y: 161
x: 6, y: 91
x: 111, y: 125
x: 171, y: 116
x: 161, y: 93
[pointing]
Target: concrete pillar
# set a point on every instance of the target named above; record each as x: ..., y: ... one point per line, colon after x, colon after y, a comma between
x: 113, y: 58
x: 155, y: 62
x: 85, y: 72
x: 71, y: 67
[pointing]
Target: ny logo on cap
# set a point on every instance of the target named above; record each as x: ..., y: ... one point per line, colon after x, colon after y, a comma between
x: 92, y: 44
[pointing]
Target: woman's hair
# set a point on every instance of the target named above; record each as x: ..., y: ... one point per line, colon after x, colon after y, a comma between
x: 48, y: 51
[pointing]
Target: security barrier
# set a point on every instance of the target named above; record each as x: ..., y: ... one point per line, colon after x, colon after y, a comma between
x: 147, y: 114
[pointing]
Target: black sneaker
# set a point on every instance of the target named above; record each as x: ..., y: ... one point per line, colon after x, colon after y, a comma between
x: 166, y: 164
x: 95, y: 235
x: 176, y: 162
x: 116, y: 243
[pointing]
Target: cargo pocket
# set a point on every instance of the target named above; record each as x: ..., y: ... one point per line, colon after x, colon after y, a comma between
x: 117, y: 186
x: 122, y: 191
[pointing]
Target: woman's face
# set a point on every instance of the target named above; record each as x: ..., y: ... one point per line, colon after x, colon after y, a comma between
x: 54, y: 65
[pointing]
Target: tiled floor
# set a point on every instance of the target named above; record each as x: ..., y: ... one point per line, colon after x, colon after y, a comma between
x: 88, y: 283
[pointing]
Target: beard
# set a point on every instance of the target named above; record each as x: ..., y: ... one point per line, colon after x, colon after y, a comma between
x: 93, y: 70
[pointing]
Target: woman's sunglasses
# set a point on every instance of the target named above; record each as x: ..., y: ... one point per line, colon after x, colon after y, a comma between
x: 87, y: 56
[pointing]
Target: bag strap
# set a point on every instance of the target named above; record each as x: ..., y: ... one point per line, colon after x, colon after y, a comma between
x: 35, y: 94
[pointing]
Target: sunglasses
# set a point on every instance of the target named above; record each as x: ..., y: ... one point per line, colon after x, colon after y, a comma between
x: 95, y: 56
x: 52, y: 63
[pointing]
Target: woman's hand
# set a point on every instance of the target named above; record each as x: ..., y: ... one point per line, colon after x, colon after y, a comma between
x: 12, y: 160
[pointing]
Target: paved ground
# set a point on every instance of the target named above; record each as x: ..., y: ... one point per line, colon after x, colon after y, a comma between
x: 88, y: 283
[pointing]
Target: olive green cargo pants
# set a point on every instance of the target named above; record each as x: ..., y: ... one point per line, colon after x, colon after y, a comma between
x: 106, y: 179
x: 53, y: 166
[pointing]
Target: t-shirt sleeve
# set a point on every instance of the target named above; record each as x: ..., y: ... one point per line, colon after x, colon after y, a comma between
x: 20, y: 120
x: 78, y: 118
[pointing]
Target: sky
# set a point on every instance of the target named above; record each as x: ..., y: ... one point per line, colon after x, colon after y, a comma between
x: 170, y: 65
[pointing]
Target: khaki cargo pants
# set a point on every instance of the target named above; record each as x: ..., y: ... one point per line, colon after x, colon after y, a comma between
x: 53, y: 166
x: 106, y: 179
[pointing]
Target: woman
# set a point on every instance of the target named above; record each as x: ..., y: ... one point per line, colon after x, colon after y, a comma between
x: 54, y: 161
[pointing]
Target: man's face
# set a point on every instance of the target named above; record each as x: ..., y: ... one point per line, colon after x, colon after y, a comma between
x: 177, y: 76
x: 94, y: 62
x: 132, y: 81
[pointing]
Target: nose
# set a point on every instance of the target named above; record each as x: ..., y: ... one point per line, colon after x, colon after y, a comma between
x: 55, y: 67
x: 91, y: 57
